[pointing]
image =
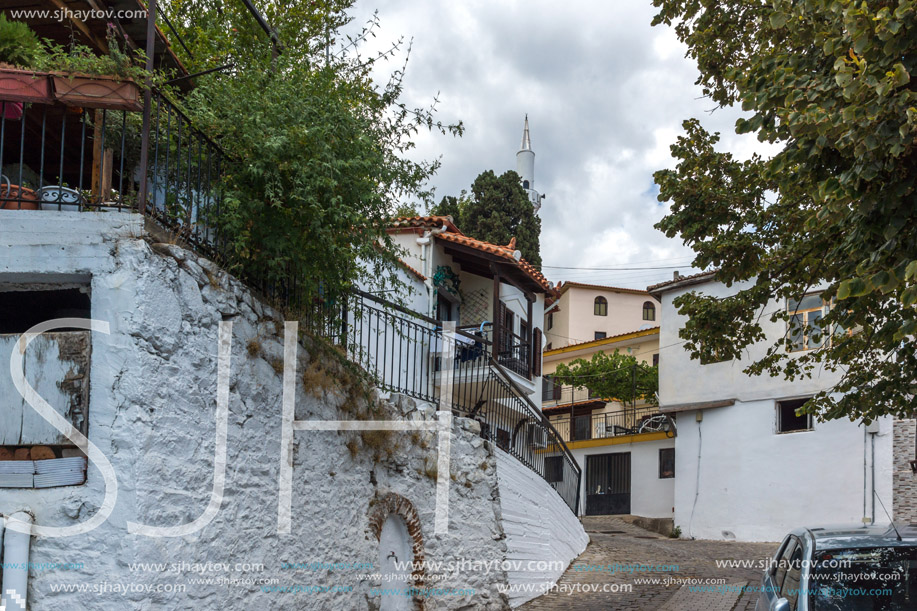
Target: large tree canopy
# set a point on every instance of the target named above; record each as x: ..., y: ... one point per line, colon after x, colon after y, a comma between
x: 611, y: 376
x: 830, y: 80
x: 497, y: 211
x: 317, y: 149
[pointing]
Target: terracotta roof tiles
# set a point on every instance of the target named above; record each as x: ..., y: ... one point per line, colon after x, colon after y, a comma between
x: 502, y: 251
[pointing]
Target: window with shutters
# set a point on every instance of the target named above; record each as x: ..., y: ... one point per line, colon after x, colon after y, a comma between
x: 536, y: 352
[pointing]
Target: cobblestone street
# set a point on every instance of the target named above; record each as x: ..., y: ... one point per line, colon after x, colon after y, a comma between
x: 614, y: 541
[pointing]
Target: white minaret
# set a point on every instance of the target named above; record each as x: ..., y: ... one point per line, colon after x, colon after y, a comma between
x: 525, y: 167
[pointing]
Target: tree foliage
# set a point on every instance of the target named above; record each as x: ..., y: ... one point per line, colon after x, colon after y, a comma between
x: 611, y: 376
x: 497, y: 210
x: 317, y: 149
x: 831, y: 81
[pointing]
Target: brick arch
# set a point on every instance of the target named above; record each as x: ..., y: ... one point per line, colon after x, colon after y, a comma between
x: 381, y: 508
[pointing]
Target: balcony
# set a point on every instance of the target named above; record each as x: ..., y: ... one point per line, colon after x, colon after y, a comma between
x: 58, y: 156
x: 610, y: 424
x: 579, y: 416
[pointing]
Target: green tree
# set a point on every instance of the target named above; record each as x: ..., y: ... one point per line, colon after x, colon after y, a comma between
x: 611, y: 376
x: 317, y: 149
x: 829, y: 80
x: 497, y: 210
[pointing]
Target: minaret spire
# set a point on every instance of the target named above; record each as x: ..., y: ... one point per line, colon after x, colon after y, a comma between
x: 526, y: 140
x: 525, y: 167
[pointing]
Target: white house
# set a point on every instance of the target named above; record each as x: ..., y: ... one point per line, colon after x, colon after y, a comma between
x: 486, y: 289
x: 748, y: 467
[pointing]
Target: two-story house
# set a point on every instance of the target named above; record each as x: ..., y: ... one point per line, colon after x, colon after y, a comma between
x: 749, y: 467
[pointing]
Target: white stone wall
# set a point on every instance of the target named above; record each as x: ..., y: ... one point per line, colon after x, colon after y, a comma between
x: 650, y: 495
x: 542, y: 534
x: 755, y: 484
x: 151, y: 412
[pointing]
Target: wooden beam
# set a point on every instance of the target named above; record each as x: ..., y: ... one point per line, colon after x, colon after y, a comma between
x: 530, y: 327
x: 80, y: 25
x: 498, y: 324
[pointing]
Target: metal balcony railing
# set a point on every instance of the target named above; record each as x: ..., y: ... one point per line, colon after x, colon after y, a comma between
x: 605, y: 425
x: 57, y: 157
x: 405, y: 352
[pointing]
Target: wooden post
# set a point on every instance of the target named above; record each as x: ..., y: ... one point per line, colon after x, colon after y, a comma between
x: 498, y: 324
x: 529, y: 328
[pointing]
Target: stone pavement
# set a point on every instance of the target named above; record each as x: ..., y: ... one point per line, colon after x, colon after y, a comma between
x: 615, y: 542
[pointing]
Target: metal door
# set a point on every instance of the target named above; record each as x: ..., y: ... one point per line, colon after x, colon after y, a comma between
x: 608, y: 484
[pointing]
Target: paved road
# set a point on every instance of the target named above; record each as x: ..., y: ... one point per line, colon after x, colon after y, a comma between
x: 616, y: 542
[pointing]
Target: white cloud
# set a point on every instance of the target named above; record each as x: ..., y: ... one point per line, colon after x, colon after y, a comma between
x: 606, y: 94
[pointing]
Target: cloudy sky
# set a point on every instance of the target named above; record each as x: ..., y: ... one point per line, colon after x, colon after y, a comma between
x: 605, y: 93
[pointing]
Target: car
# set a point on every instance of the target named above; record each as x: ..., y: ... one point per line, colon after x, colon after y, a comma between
x: 843, y: 568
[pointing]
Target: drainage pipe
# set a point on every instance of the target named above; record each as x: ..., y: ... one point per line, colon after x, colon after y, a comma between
x: 16, y: 561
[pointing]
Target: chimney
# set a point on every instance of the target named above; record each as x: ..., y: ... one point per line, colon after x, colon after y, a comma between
x: 676, y: 275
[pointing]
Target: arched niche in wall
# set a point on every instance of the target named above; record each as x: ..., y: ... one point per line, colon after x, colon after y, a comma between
x: 394, y: 522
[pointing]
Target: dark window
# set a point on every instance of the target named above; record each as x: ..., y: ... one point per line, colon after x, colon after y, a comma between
x: 784, y: 562
x: 666, y: 463
x: 582, y: 427
x: 22, y: 310
x: 805, y: 332
x: 550, y: 322
x: 656, y: 360
x: 503, y: 438
x: 788, y: 421
x: 601, y: 306
x: 600, y: 335
x: 525, y: 184
x: 790, y: 589
x: 523, y: 329
x: 649, y: 310
x: 554, y: 469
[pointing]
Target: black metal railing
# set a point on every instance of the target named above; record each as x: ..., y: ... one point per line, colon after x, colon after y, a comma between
x: 57, y: 157
x: 625, y: 421
x: 407, y: 352
x: 515, y: 354
x: 553, y: 395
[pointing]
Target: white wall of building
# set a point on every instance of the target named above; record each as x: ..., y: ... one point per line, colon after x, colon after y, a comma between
x: 151, y: 412
x: 575, y: 320
x: 651, y: 496
x: 753, y: 483
x: 542, y: 534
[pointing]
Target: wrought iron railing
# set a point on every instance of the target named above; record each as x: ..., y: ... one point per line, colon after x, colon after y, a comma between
x: 56, y: 157
x: 614, y: 423
x: 406, y: 352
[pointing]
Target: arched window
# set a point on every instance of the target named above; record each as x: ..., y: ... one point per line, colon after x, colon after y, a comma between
x: 601, y: 306
x: 649, y: 310
x: 525, y: 184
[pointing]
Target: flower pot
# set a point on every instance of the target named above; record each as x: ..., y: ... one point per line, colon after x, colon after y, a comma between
x: 96, y: 91
x: 24, y: 86
x: 10, y: 194
x: 59, y: 198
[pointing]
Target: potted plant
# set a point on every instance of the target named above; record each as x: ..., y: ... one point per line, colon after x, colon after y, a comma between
x: 19, y: 46
x: 84, y: 79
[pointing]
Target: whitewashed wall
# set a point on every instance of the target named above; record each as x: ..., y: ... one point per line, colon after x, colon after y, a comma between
x: 542, y: 534
x: 755, y: 483
x: 151, y: 411
x: 651, y: 497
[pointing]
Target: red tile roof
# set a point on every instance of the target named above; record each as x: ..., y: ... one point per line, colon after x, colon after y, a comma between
x: 601, y: 287
x: 681, y: 281
x: 425, y: 222
x: 505, y: 252
x: 605, y: 340
x: 412, y: 270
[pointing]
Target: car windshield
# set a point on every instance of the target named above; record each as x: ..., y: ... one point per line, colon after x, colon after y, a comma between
x: 864, y: 579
